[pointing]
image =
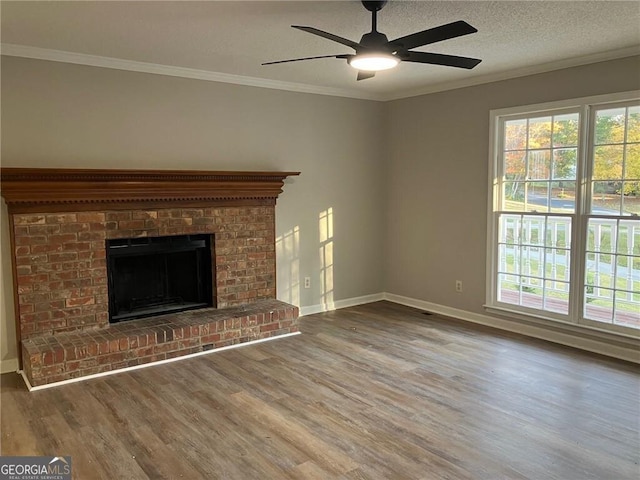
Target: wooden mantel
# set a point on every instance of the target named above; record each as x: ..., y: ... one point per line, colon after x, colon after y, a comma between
x: 47, y: 190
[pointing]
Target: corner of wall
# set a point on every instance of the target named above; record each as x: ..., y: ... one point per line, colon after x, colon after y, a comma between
x: 8, y: 348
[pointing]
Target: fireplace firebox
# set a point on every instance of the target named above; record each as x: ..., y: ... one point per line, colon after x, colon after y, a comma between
x: 151, y: 276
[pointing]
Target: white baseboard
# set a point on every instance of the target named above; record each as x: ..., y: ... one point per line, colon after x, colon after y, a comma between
x: 9, y: 365
x: 584, y: 341
x: 625, y: 349
x: 338, y: 304
x: 572, y: 336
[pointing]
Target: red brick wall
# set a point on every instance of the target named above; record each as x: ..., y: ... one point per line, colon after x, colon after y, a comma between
x: 61, y: 259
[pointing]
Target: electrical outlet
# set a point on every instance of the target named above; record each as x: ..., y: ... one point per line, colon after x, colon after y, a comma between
x: 307, y: 282
x: 459, y: 286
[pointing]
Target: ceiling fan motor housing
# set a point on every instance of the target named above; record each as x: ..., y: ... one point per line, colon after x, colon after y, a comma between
x: 374, y: 40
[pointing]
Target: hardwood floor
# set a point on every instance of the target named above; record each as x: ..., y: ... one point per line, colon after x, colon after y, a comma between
x: 378, y: 391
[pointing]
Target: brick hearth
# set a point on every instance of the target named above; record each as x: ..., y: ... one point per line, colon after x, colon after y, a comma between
x: 54, y: 358
x: 60, y: 222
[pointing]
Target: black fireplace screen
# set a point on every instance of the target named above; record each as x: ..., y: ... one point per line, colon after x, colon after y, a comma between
x: 156, y: 275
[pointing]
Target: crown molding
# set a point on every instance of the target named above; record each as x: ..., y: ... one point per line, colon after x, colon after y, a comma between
x: 24, y: 51
x: 515, y: 73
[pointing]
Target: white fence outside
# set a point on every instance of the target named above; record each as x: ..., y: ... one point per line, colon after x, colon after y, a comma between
x: 535, y: 249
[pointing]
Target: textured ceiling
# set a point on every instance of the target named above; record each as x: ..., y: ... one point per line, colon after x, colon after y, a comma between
x: 234, y: 38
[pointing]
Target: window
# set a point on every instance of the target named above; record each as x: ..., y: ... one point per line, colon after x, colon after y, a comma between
x: 612, y: 286
x: 564, y: 221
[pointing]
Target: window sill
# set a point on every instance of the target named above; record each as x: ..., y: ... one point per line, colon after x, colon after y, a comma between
x: 624, y: 338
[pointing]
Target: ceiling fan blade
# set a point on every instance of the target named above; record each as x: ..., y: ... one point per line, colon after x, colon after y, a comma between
x: 440, y: 59
x: 433, y: 35
x: 329, y: 36
x: 305, y: 58
x: 362, y: 75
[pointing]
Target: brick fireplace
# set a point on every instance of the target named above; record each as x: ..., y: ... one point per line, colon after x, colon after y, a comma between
x: 61, y: 221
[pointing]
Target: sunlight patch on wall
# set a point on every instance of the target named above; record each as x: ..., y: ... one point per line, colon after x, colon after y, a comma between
x: 288, y: 261
x: 326, y: 257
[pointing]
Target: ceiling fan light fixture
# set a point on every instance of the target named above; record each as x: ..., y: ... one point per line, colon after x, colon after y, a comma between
x: 373, y: 62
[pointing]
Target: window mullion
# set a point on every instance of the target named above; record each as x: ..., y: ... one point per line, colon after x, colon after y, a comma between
x: 583, y: 204
x: 624, y: 160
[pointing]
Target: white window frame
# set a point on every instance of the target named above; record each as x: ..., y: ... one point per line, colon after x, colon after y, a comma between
x: 579, y: 218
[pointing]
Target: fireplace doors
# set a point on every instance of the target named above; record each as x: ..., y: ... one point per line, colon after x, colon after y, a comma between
x: 156, y: 275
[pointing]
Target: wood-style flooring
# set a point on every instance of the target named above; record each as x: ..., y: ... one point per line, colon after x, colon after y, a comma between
x: 378, y: 391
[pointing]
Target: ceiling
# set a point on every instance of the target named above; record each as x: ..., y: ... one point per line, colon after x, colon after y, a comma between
x: 228, y: 40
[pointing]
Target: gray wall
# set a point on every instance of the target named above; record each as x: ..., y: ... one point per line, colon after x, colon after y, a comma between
x: 438, y: 149
x: 406, y: 181
x: 62, y: 115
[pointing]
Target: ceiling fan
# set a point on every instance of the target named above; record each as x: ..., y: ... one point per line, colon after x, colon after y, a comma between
x: 375, y: 52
